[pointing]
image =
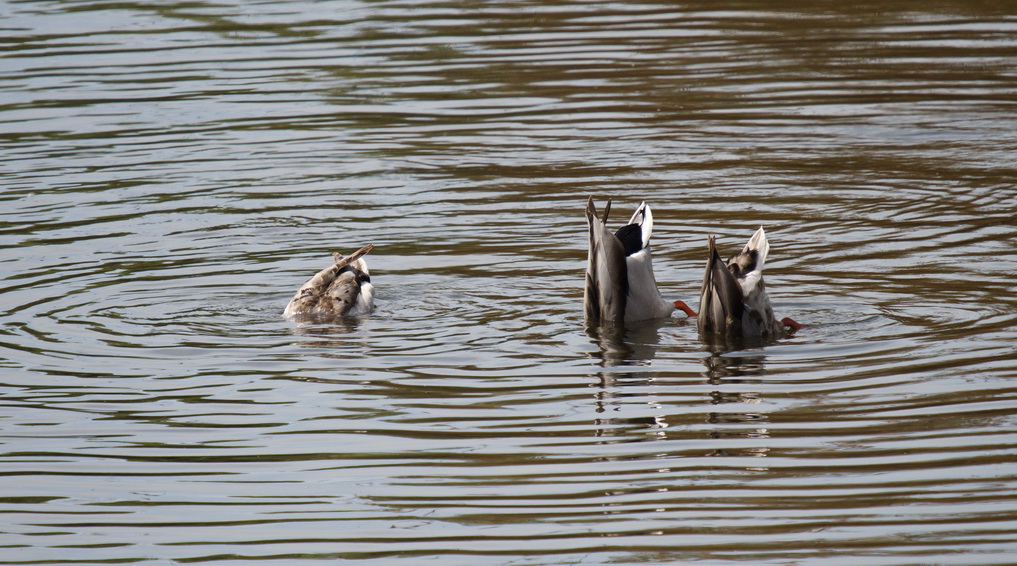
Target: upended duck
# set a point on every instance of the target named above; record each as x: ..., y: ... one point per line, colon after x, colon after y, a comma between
x: 734, y: 300
x: 344, y: 288
x: 620, y: 286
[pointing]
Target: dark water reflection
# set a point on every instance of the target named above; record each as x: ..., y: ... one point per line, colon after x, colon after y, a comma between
x: 172, y: 172
x: 632, y: 344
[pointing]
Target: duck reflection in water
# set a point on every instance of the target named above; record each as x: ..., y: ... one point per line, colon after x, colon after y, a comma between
x: 620, y: 346
x: 342, y: 337
x: 729, y: 364
x: 733, y: 369
x: 626, y: 345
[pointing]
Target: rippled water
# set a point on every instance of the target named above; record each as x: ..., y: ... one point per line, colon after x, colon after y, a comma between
x: 173, y: 171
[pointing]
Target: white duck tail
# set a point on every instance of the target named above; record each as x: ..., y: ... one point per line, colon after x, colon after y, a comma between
x: 620, y: 286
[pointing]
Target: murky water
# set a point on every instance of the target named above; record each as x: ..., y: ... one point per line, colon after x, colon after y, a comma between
x: 172, y: 172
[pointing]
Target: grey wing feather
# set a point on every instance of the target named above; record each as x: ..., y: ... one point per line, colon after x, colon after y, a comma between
x: 721, y: 304
x: 606, y: 271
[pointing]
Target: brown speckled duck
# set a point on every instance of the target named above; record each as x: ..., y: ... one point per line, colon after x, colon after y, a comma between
x: 734, y: 300
x: 343, y: 288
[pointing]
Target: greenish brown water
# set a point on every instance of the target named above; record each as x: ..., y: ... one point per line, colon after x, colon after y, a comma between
x: 173, y: 171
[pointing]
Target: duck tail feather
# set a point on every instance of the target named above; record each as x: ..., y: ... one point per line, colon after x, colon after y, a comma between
x: 722, y: 301
x: 606, y: 272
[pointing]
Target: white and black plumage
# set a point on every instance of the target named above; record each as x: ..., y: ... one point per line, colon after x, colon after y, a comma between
x: 620, y: 286
x: 734, y: 300
x: 343, y: 288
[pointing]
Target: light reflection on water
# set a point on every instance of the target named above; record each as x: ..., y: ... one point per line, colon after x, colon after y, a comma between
x: 173, y: 173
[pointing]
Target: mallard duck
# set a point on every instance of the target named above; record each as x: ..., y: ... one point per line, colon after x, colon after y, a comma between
x: 620, y: 286
x: 734, y: 300
x: 344, y: 288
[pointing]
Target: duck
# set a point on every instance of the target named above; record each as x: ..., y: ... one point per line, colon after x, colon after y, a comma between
x: 734, y: 302
x: 341, y: 289
x: 620, y: 286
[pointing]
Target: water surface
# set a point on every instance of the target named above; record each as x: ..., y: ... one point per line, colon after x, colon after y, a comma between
x: 173, y: 171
